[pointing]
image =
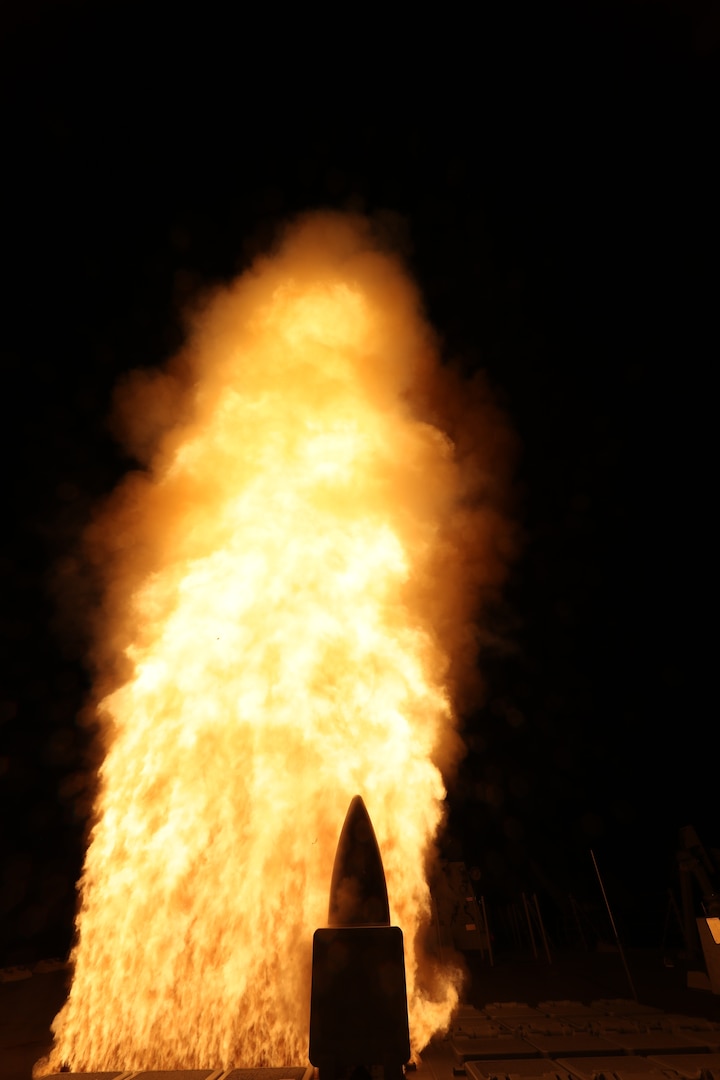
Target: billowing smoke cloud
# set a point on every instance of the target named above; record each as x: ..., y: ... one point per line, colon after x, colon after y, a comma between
x: 293, y: 584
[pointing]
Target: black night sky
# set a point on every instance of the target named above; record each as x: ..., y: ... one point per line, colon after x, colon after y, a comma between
x: 549, y: 173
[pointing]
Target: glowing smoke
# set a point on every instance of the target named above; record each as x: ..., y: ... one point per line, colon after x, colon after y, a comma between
x: 291, y: 589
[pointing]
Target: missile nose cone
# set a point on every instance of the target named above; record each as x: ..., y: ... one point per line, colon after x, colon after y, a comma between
x: 358, y: 893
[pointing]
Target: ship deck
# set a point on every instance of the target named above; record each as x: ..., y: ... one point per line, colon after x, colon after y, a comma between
x: 577, y: 1018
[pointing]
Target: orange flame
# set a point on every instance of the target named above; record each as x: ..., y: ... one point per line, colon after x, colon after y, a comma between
x: 290, y: 587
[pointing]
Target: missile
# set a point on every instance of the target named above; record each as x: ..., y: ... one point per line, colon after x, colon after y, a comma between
x: 358, y: 892
x: 358, y: 997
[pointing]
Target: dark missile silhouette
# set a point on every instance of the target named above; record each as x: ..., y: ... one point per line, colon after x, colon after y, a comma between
x: 358, y: 1000
x: 358, y: 893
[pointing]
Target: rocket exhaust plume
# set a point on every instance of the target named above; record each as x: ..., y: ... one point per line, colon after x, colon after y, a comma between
x: 291, y: 586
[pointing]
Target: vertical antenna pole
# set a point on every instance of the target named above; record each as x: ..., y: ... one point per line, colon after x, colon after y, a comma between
x: 614, y: 930
x: 487, y: 930
x: 529, y: 923
x: 542, y: 929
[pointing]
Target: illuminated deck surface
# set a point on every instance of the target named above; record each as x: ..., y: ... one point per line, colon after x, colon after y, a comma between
x: 574, y: 1020
x: 612, y: 1039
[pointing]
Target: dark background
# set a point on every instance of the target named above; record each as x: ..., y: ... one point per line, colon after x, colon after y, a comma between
x: 549, y: 172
